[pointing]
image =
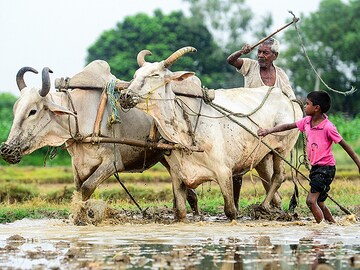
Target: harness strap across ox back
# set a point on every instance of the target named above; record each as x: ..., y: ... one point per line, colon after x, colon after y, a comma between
x: 208, y: 96
x: 66, y: 84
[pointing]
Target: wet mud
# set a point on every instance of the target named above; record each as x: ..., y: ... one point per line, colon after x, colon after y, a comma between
x: 119, y: 239
x: 97, y: 212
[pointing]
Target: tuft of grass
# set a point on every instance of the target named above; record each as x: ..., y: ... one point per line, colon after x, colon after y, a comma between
x: 36, y: 175
x: 37, y: 192
x: 35, y: 209
x: 13, y: 192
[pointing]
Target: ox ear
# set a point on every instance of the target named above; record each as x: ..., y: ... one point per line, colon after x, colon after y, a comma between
x: 181, y: 75
x: 59, y: 110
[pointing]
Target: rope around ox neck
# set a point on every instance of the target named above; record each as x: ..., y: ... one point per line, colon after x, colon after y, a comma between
x: 346, y: 211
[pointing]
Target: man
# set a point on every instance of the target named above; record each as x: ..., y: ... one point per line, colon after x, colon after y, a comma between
x: 263, y: 71
x: 256, y: 74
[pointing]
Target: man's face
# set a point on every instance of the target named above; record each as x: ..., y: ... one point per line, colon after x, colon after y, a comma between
x: 265, y: 56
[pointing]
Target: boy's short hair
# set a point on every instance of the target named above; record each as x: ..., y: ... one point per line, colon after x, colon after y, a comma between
x: 320, y: 98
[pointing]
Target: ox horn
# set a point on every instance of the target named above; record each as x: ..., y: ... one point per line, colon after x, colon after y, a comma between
x: 141, y: 57
x: 176, y: 55
x: 121, y: 85
x: 45, y: 82
x: 20, y: 76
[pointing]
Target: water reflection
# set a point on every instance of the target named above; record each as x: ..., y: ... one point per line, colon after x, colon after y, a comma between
x: 179, y: 247
x: 227, y: 255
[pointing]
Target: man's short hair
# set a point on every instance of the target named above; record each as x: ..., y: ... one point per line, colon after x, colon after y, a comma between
x: 320, y: 98
x: 274, y: 45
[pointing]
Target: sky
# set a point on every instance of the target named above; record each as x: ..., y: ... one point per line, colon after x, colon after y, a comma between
x: 57, y: 33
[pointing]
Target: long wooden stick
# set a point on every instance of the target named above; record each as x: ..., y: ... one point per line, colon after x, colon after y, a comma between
x: 100, y: 113
x: 295, y: 19
x: 133, y: 142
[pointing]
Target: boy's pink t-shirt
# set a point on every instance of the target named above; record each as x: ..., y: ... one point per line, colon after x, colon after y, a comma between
x: 319, y: 140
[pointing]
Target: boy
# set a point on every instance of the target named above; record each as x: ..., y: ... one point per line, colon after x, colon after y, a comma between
x: 320, y: 134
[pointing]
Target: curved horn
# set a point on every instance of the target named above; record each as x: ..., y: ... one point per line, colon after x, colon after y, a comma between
x: 141, y: 57
x: 120, y: 85
x: 20, y: 76
x: 45, y: 82
x: 176, y: 55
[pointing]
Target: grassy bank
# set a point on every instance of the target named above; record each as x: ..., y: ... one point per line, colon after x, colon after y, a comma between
x: 37, y: 192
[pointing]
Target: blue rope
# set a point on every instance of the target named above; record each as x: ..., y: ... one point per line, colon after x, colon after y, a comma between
x: 113, y: 98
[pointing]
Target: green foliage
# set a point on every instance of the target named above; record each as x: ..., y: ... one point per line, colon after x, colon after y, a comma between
x: 350, y: 131
x: 227, y: 20
x: 52, y: 198
x: 162, y: 35
x: 142, y: 194
x: 63, y: 195
x: 36, y: 175
x: 7, y: 101
x: 14, y: 192
x: 332, y: 45
x: 349, y: 128
x: 11, y: 213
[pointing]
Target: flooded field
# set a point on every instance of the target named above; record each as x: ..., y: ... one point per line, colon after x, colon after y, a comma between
x: 245, y: 244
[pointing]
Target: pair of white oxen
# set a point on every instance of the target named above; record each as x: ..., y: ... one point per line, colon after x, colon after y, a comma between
x: 226, y: 135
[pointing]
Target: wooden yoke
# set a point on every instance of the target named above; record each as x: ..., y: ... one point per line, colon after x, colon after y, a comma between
x: 152, y: 132
x: 100, y: 113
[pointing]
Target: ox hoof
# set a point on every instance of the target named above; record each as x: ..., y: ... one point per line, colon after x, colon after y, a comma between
x: 86, y: 192
x: 268, y: 213
x: 180, y: 217
x: 231, y: 215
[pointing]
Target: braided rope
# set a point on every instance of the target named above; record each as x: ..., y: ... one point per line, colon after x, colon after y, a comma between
x: 346, y: 211
x: 206, y: 97
x: 242, y: 114
x: 113, y: 97
x: 350, y: 92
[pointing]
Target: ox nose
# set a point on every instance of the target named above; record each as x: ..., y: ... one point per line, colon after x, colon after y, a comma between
x: 127, y: 100
x: 10, y: 153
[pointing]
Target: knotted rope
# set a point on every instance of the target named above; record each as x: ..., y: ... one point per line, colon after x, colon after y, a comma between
x: 346, y: 211
x: 346, y: 93
x: 113, y: 97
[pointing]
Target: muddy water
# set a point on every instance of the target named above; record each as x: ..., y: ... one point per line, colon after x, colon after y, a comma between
x: 58, y: 244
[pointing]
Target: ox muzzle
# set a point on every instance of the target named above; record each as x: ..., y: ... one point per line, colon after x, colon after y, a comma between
x: 128, y: 99
x: 10, y: 153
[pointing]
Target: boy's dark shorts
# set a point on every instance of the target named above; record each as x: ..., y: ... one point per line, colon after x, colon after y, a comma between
x: 320, y: 180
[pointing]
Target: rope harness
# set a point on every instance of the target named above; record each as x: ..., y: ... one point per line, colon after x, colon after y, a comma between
x: 278, y: 154
x: 232, y: 117
x: 346, y: 93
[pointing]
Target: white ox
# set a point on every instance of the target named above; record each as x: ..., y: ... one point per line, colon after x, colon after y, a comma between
x: 228, y: 148
x: 43, y: 118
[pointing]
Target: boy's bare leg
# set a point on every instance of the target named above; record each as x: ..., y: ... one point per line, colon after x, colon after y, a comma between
x: 326, y: 211
x: 311, y: 202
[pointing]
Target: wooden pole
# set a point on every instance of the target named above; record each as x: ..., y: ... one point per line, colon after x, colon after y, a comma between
x: 295, y: 19
x: 139, y: 143
x: 100, y: 113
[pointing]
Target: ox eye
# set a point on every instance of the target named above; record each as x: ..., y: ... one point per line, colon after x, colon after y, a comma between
x: 155, y: 75
x: 32, y: 112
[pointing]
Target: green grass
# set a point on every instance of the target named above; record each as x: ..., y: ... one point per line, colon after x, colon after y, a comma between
x: 38, y: 192
x: 54, y: 200
x: 34, y: 209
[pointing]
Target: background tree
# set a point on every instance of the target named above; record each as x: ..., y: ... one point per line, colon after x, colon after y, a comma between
x: 227, y: 20
x: 7, y: 101
x: 162, y: 35
x: 232, y: 24
x: 332, y: 44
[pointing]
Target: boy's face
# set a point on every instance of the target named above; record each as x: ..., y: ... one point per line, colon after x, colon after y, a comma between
x: 310, y: 108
